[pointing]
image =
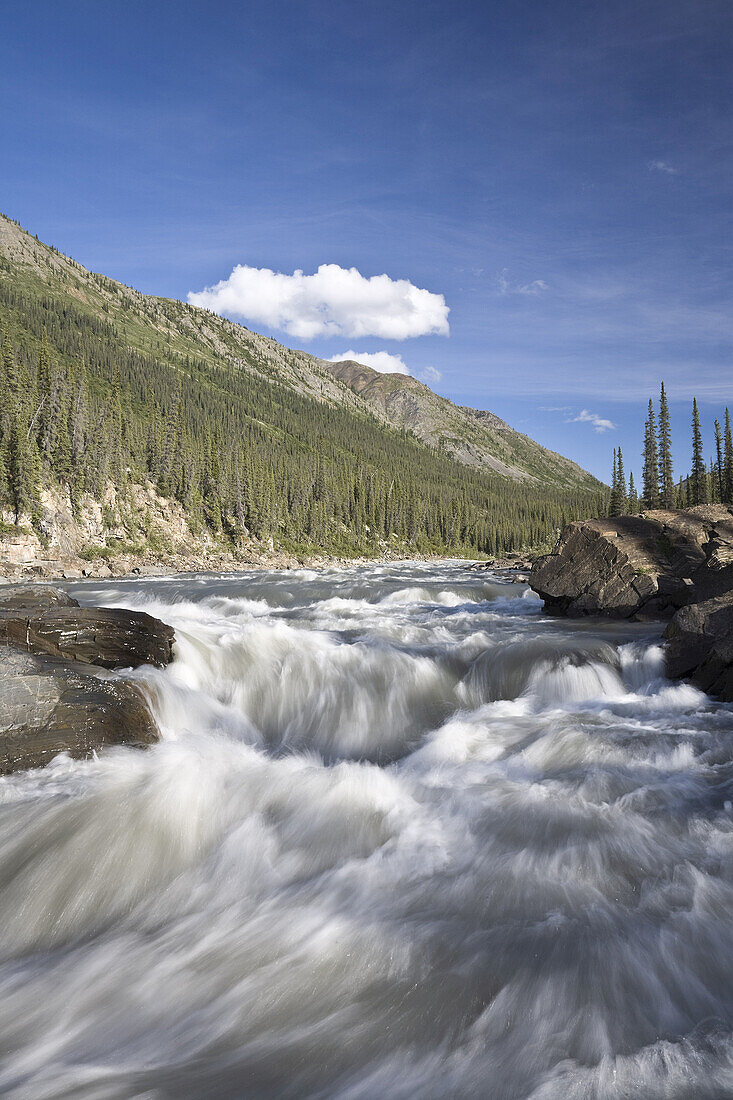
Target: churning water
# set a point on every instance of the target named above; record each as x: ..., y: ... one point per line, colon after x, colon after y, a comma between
x: 403, y: 837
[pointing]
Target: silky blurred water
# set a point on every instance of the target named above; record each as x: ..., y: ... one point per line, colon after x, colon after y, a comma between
x: 403, y: 836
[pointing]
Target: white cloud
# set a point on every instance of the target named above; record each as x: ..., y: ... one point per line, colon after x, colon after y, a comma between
x: 600, y: 424
x: 537, y: 286
x: 383, y: 361
x: 662, y: 166
x: 335, y: 301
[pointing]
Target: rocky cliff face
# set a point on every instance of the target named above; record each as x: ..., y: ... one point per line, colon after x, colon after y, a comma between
x: 659, y: 565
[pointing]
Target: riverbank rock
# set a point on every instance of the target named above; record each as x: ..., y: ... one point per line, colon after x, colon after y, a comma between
x: 110, y: 637
x: 36, y: 597
x: 48, y: 702
x: 47, y: 706
x: 642, y: 567
x: 700, y: 645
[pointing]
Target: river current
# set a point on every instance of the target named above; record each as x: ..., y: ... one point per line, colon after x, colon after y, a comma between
x: 403, y: 837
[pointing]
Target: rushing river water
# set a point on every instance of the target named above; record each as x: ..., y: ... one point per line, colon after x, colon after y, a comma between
x: 403, y: 837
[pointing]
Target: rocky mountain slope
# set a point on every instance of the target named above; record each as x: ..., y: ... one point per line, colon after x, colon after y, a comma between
x: 476, y: 437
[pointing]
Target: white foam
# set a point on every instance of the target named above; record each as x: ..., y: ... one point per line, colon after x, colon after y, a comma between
x: 402, y: 837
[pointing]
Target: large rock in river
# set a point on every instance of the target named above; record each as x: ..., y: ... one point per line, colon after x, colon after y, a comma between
x: 50, y: 699
x: 700, y: 645
x: 644, y: 566
x: 48, y: 706
x: 43, y: 619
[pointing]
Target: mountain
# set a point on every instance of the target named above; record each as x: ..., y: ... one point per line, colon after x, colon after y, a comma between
x: 473, y: 436
x: 107, y: 388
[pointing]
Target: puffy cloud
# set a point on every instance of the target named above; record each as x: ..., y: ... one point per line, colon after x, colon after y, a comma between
x: 383, y: 361
x: 335, y: 301
x: 600, y: 424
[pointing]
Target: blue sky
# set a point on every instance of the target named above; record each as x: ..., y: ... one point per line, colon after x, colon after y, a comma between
x: 559, y: 172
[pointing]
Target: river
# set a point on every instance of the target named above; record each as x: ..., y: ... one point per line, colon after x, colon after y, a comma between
x: 403, y: 837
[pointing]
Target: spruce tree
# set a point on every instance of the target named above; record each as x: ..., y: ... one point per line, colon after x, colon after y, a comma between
x: 650, y: 472
x: 623, y: 495
x: 666, y: 474
x: 719, y: 469
x: 619, y: 500
x: 633, y: 496
x: 727, y: 461
x: 20, y: 452
x: 698, y: 475
x: 78, y: 431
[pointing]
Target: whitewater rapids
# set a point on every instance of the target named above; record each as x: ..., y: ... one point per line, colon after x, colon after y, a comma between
x: 403, y: 837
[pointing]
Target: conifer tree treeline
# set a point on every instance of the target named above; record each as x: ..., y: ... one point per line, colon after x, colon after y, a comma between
x: 243, y: 454
x: 706, y: 482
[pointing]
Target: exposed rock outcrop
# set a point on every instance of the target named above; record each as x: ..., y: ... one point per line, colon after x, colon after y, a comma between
x: 643, y: 566
x: 658, y: 565
x: 50, y: 699
x: 36, y: 597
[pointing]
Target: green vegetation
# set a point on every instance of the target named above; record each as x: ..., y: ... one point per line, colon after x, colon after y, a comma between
x: 100, y: 385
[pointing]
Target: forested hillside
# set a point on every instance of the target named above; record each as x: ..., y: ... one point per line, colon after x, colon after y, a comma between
x: 101, y: 384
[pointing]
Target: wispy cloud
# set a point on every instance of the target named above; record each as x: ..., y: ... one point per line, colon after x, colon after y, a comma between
x: 429, y: 375
x: 662, y: 166
x: 537, y: 286
x: 334, y: 301
x: 600, y: 423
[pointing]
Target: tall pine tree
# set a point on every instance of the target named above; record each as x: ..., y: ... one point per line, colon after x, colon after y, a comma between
x: 619, y: 499
x: 650, y: 472
x: 718, y: 473
x: 727, y: 461
x: 633, y: 496
x: 698, y: 475
x: 666, y: 473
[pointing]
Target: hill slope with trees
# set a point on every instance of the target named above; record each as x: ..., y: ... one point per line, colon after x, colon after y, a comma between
x: 105, y: 388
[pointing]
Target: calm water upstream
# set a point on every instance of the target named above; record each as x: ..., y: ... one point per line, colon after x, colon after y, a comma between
x: 403, y: 837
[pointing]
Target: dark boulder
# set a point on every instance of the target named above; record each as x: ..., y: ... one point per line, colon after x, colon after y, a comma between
x: 108, y: 637
x: 700, y: 645
x: 659, y: 565
x: 48, y: 702
x: 36, y: 597
x: 49, y: 706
